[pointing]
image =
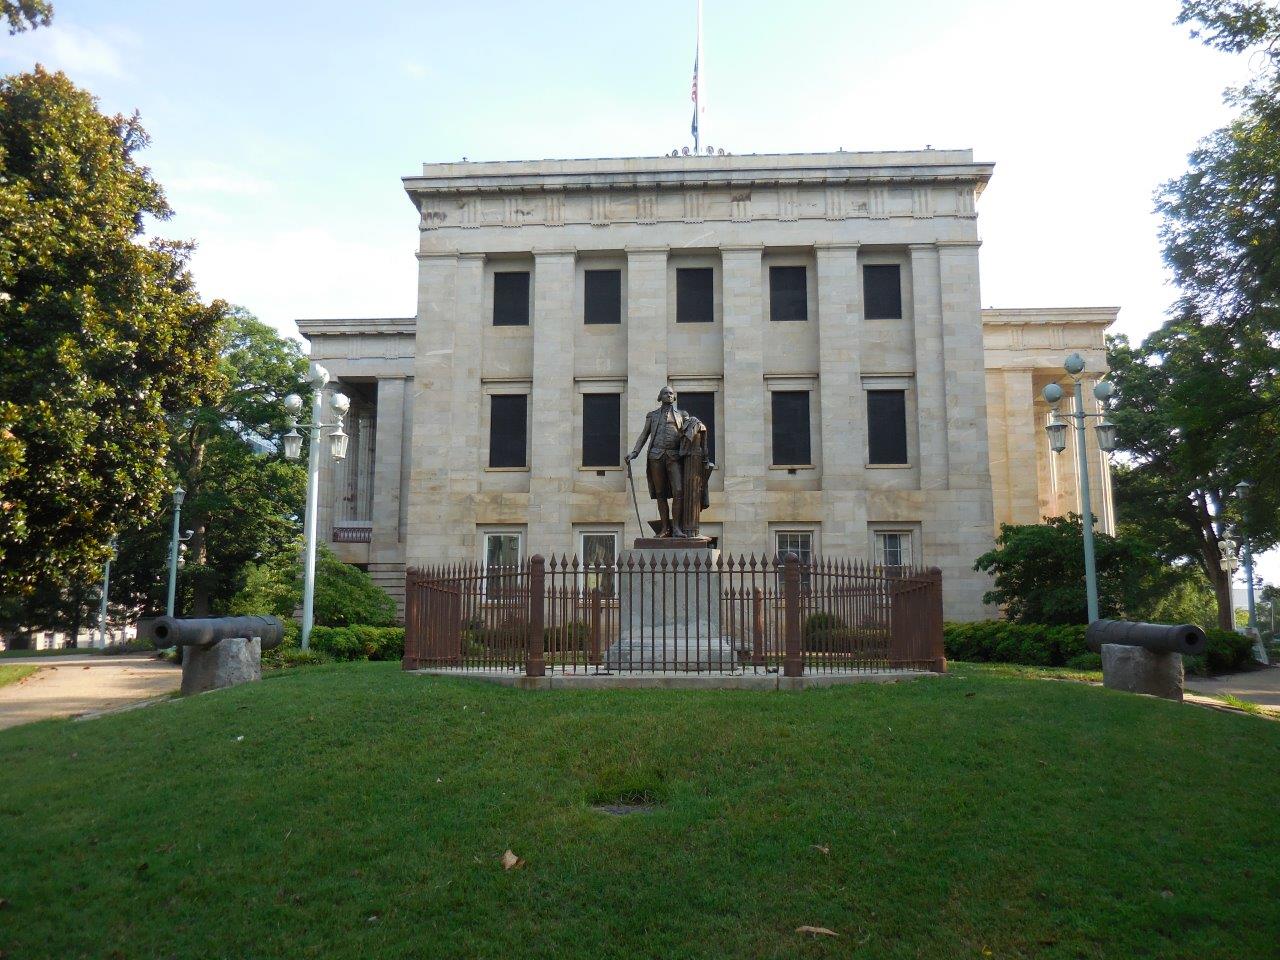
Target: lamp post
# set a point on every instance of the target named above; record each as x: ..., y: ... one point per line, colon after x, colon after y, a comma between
x: 174, y: 542
x: 338, y: 405
x: 102, y: 604
x: 1057, y: 431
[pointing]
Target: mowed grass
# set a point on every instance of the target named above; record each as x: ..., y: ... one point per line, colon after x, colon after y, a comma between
x: 12, y: 674
x: 365, y: 811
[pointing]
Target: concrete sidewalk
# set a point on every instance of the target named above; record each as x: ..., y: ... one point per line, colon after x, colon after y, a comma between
x: 1257, y: 686
x: 70, y: 686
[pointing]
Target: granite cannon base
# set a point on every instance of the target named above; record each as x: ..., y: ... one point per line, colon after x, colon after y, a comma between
x: 222, y: 664
x: 1136, y: 670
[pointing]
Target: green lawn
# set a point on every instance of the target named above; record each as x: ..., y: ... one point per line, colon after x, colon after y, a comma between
x: 13, y: 674
x: 364, y: 812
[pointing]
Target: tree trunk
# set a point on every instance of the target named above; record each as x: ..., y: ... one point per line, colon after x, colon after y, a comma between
x: 1210, y: 560
x: 200, y: 583
x: 77, y: 615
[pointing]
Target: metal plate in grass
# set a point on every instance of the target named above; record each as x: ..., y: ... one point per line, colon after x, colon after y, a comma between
x: 623, y: 809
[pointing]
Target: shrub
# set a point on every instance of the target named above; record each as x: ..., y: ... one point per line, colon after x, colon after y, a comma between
x: 359, y: 642
x: 1038, y: 645
x: 345, y: 595
x: 1000, y: 641
x: 1227, y: 651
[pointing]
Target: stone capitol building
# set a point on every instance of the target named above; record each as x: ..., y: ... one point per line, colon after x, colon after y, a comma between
x: 819, y: 312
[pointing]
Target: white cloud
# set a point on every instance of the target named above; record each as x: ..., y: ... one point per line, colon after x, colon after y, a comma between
x: 207, y: 177
x: 414, y: 69
x: 72, y: 49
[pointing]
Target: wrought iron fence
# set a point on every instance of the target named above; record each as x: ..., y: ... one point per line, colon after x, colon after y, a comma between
x: 647, y: 613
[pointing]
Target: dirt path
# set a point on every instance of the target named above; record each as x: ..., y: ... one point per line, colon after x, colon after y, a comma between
x: 70, y: 686
x: 1257, y: 686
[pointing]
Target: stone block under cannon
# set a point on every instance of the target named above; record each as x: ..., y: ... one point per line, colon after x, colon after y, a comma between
x: 1144, y: 657
x: 217, y: 651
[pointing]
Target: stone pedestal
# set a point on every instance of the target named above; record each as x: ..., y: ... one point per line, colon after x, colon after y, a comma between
x: 669, y: 618
x: 1136, y: 670
x: 222, y: 664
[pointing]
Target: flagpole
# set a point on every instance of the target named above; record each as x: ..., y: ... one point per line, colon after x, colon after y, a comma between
x: 697, y: 102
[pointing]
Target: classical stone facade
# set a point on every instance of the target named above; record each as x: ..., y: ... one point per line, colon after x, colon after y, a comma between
x: 919, y: 369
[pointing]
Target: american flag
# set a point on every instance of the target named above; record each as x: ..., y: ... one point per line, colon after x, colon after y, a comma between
x: 693, y: 95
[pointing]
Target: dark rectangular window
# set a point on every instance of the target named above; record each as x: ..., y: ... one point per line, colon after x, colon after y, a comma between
x: 791, y: 427
x: 788, y: 298
x: 601, y: 429
x: 695, y: 297
x: 511, y: 299
x: 702, y: 406
x: 508, y: 430
x: 882, y: 291
x: 602, y: 296
x: 887, y: 426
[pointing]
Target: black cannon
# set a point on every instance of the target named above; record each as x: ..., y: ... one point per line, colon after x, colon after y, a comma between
x: 173, y: 632
x: 218, y: 651
x: 1144, y: 657
x: 1185, y: 638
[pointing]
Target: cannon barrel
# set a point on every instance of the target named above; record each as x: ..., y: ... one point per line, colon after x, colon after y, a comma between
x: 173, y: 632
x: 1184, y: 638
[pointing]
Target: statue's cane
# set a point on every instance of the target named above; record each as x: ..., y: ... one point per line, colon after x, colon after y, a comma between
x: 634, y: 501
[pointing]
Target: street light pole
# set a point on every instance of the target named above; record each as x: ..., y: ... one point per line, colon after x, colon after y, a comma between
x: 339, y: 405
x: 1056, y: 429
x: 102, y: 604
x: 178, y: 496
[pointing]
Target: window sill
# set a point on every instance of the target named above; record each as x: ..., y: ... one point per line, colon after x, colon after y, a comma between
x: 888, y: 466
x: 506, y: 469
x: 792, y: 466
x: 598, y: 469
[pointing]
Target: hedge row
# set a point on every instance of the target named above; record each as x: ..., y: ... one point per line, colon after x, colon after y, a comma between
x: 359, y: 642
x: 1000, y: 641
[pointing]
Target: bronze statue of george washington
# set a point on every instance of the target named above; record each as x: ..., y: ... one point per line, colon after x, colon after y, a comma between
x: 678, y: 467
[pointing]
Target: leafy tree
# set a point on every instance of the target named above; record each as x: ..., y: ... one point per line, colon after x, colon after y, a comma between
x: 345, y: 595
x: 24, y: 14
x: 244, y: 501
x: 1198, y: 404
x: 100, y: 335
x: 1039, y: 573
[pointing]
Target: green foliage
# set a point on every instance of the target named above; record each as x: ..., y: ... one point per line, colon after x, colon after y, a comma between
x: 344, y: 596
x: 1039, y: 645
x: 1000, y: 641
x: 359, y: 642
x: 1198, y: 402
x: 1039, y: 572
x: 26, y: 14
x: 101, y: 335
x: 1227, y: 652
x: 243, y: 499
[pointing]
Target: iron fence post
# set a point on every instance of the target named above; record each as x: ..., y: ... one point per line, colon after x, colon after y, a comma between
x: 757, y: 627
x: 593, y: 649
x: 534, y: 665
x: 793, y: 654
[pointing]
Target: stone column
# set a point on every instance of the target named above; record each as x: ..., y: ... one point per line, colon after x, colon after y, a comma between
x: 931, y: 367
x: 387, y: 452
x: 646, y: 328
x: 965, y: 401
x: 1020, y: 448
x: 554, y: 438
x: 841, y: 399
x: 746, y: 450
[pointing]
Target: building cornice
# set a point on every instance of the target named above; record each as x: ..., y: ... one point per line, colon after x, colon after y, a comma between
x: 348, y: 326
x: 1044, y: 316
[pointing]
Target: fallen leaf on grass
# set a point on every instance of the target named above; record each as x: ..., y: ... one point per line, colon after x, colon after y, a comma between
x: 820, y: 848
x: 817, y: 931
x: 511, y: 862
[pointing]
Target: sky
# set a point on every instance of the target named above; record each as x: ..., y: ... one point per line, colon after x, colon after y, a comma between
x: 280, y: 131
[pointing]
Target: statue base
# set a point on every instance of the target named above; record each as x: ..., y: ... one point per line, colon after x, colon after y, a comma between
x: 673, y: 543
x: 669, y: 615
